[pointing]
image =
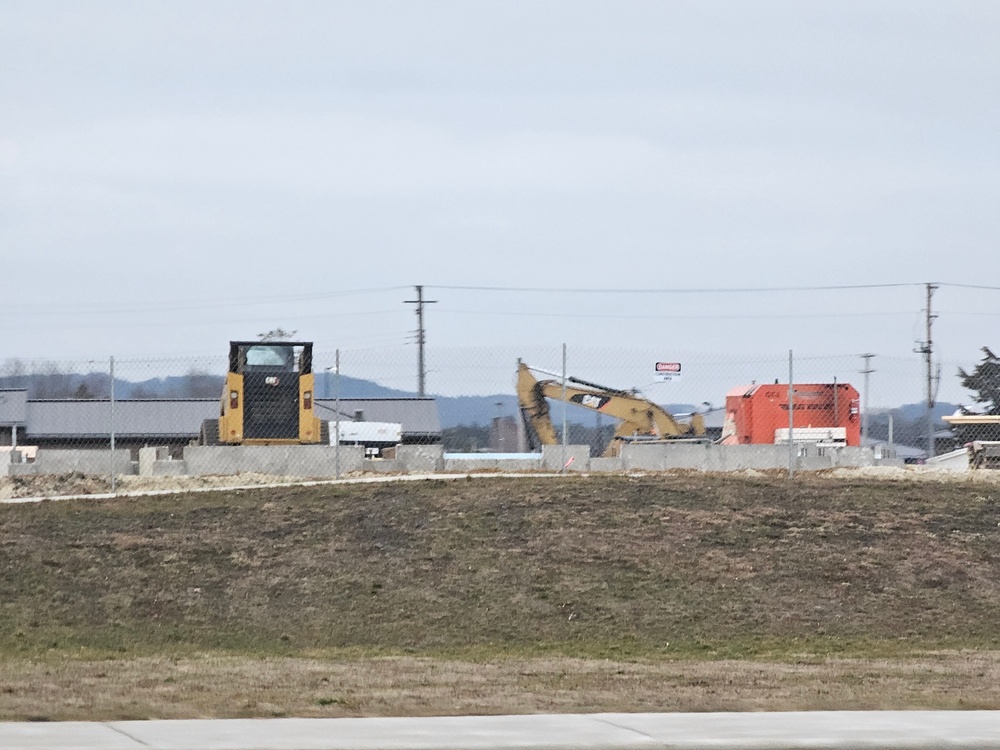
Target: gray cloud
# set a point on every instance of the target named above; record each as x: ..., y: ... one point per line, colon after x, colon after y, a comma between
x: 149, y: 150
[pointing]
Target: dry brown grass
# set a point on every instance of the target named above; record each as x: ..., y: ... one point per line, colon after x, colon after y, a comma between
x: 229, y: 687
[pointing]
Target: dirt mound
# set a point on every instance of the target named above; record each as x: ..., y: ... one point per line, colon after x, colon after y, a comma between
x: 50, y: 485
x: 72, y: 484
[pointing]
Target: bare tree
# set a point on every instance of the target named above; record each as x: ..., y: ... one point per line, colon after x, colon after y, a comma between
x: 277, y: 334
x: 200, y: 384
x: 14, y: 374
x: 50, y: 381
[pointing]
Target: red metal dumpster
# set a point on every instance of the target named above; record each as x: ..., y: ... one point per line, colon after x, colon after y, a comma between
x: 758, y: 414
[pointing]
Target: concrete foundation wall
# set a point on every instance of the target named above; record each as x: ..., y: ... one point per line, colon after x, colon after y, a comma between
x: 319, y: 461
x: 168, y: 468
x: 659, y: 457
x: 149, y: 456
x: 855, y: 457
x: 707, y: 457
x: 420, y: 458
x: 600, y: 463
x: 312, y: 461
x: 956, y: 460
x: 305, y: 461
x: 745, y: 457
x: 576, y: 456
x: 96, y: 462
x: 469, y: 462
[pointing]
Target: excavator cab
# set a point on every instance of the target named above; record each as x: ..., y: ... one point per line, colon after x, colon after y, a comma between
x: 268, y: 398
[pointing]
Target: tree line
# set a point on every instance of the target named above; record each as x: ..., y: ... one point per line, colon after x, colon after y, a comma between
x: 53, y: 380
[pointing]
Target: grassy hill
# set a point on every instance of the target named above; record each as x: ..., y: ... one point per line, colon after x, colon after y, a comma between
x: 683, y: 565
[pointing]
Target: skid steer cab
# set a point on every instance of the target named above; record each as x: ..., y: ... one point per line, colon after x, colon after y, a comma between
x: 269, y: 398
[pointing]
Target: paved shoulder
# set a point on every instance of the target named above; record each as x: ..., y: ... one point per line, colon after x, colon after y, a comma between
x: 898, y: 730
x: 68, y: 735
x: 555, y: 732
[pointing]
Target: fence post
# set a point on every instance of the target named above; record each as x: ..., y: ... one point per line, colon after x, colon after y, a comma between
x: 336, y: 413
x: 563, y: 470
x: 112, y: 425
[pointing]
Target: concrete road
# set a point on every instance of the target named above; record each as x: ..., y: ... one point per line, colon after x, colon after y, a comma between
x: 746, y: 731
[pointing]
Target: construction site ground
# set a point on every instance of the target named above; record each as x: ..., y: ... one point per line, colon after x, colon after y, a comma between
x: 668, y: 592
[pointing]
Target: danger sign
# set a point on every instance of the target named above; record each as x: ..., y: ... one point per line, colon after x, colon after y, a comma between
x: 668, y: 370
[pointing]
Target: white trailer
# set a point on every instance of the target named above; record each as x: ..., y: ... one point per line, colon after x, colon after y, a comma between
x: 374, y: 436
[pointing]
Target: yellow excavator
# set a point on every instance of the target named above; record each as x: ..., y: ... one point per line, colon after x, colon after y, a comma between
x: 641, y: 419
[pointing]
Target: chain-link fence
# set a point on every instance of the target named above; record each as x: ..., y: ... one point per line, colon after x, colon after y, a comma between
x: 133, y: 421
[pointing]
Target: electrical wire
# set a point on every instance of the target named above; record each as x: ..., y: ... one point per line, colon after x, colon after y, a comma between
x: 602, y: 316
x: 77, y: 309
x: 970, y: 286
x: 194, y: 323
x: 718, y: 290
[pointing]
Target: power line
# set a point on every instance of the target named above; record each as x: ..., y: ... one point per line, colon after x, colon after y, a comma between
x: 182, y: 323
x: 717, y: 290
x: 77, y: 309
x: 970, y: 286
x: 496, y: 313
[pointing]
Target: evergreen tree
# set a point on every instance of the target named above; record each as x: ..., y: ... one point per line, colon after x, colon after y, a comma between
x: 984, y: 382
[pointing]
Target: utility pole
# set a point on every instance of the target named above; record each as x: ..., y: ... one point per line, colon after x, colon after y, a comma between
x: 791, y: 416
x: 864, y: 407
x: 421, y: 369
x: 926, y: 347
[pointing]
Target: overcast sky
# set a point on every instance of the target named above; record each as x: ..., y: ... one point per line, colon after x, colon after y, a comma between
x: 177, y: 174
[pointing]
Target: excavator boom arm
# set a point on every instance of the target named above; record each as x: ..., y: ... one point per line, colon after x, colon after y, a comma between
x: 638, y: 416
x: 535, y: 408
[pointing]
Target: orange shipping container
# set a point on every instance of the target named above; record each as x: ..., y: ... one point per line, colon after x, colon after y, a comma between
x: 758, y: 414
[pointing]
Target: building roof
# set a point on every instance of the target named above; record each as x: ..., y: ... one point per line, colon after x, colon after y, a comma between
x: 91, y: 418
x: 800, y: 388
x: 974, y: 419
x: 66, y: 419
x: 419, y: 416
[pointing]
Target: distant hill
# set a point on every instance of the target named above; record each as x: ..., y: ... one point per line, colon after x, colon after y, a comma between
x: 454, y: 410
x: 909, y: 423
x: 54, y: 385
x: 481, y: 410
x: 919, y: 411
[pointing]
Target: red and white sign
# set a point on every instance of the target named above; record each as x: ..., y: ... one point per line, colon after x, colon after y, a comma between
x: 668, y: 370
